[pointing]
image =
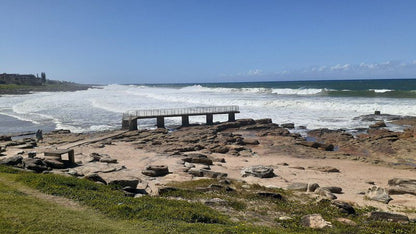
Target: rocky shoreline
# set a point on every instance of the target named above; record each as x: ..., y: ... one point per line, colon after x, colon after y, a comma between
x: 375, y: 167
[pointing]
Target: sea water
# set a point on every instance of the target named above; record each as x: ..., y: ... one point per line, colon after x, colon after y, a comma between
x: 313, y: 104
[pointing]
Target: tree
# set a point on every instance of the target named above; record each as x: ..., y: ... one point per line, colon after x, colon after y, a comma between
x: 43, y: 77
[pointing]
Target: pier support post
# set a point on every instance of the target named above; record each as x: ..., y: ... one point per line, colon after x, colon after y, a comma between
x: 210, y: 119
x: 231, y: 117
x: 160, y: 122
x: 124, y: 124
x: 132, y: 124
x: 185, y: 120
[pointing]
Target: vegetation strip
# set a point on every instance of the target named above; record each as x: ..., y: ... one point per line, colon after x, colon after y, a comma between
x: 166, y: 213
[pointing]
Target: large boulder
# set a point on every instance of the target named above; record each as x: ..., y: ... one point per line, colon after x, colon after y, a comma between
x: 156, y: 170
x: 402, y: 186
x: 124, y: 182
x: 34, y: 164
x: 95, y: 178
x: 379, y: 124
x: 54, y: 163
x: 12, y: 161
x: 197, y: 158
x: 258, y: 171
x: 302, y: 187
x: 378, y: 194
x: 344, y: 207
x: 315, y: 221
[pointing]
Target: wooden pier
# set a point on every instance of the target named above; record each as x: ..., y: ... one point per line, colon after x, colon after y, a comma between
x: 129, y: 120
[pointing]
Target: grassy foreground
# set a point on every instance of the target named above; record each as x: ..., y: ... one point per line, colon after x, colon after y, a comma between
x: 24, y: 207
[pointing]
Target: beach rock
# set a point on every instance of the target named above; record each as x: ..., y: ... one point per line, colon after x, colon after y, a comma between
x: 156, y: 170
x: 288, y: 125
x: 263, y: 121
x: 258, y: 171
x: 270, y: 195
x: 197, y: 158
x: 166, y: 189
x: 276, y: 131
x: 378, y: 194
x: 124, y: 182
x: 95, y: 177
x: 386, y: 216
x: 343, y: 207
x: 219, y: 149
x: 325, y: 193
x: 206, y: 173
x: 250, y: 142
x: 312, y: 187
x: 53, y: 163
x: 402, y: 186
x: 333, y: 189
x: 346, y: 221
x: 31, y: 154
x: 5, y: 138
x: 379, y: 124
x: 11, y: 161
x: 327, y: 169
x: 34, y: 164
x: 316, y: 145
x: 105, y: 158
x: 315, y: 221
x: 216, y: 202
x: 302, y: 187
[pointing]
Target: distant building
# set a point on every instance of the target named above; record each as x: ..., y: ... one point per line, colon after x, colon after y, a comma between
x: 18, y: 79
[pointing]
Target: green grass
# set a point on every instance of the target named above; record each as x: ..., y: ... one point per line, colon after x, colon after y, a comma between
x: 105, y: 209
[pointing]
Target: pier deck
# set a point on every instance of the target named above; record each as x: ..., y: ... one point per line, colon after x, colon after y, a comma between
x: 130, y: 118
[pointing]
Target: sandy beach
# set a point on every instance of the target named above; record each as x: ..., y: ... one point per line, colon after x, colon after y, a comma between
x: 232, y: 148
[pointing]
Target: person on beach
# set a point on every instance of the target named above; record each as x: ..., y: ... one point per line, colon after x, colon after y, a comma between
x: 39, y: 135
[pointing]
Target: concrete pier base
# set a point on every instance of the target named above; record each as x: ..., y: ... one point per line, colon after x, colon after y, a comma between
x: 132, y: 124
x: 231, y: 117
x: 185, y: 120
x: 160, y: 122
x: 210, y: 119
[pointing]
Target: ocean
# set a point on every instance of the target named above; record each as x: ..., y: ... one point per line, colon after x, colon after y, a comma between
x: 332, y: 104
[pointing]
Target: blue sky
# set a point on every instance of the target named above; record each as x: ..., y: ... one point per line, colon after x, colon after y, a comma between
x: 98, y: 41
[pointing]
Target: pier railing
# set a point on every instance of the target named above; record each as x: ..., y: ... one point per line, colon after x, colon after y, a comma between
x: 137, y: 114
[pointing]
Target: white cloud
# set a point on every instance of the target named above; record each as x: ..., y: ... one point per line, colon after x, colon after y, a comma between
x: 387, y: 69
x: 254, y: 72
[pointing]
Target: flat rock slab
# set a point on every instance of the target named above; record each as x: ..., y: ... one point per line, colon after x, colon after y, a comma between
x: 386, y: 216
x: 258, y: 171
x: 156, y: 170
x: 402, y: 186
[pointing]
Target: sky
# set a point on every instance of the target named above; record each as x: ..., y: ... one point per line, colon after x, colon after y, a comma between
x: 105, y: 42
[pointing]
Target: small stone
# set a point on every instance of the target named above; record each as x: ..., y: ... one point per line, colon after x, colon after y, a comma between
x: 302, y: 187
x: 346, y: 221
x: 312, y: 187
x: 333, y: 189
x: 315, y: 221
x: 378, y: 194
x: 216, y: 202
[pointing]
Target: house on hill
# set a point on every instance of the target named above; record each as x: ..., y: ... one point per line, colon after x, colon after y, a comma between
x: 28, y: 79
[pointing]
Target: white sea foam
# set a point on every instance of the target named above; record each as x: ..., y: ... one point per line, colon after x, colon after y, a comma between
x: 381, y: 90
x: 100, y: 109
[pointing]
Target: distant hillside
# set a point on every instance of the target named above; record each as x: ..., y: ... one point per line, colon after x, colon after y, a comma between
x: 18, y: 79
x: 22, y: 84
